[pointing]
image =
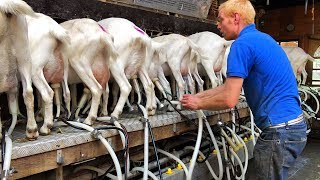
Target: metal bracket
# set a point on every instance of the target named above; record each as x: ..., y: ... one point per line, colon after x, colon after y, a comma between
x: 5, y: 174
x: 110, y: 141
x: 95, y: 133
x: 60, y: 158
x: 81, y: 162
x: 113, y: 119
x: 174, y: 128
x: 144, y: 120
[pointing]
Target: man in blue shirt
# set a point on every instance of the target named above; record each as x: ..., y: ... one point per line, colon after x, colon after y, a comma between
x: 259, y: 65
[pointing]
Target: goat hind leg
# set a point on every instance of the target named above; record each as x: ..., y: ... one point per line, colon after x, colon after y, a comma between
x: 47, y: 97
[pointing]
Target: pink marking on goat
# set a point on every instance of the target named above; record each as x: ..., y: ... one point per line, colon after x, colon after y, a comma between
x: 139, y: 30
x: 103, y: 29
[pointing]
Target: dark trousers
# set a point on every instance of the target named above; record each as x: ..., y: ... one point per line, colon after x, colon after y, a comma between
x: 276, y: 150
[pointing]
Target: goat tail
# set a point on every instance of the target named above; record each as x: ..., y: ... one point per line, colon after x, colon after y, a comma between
x: 193, y: 45
x: 310, y: 58
x: 60, y: 33
x: 108, y: 45
x: 139, y: 47
x: 157, y: 46
x: 139, y: 42
x: 16, y: 7
x: 195, y: 51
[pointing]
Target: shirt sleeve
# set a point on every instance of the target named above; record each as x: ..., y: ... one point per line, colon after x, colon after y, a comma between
x: 240, y: 60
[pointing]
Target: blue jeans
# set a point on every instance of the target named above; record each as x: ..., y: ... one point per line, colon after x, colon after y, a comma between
x: 276, y: 150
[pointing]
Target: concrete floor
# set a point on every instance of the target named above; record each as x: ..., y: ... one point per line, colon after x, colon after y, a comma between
x: 307, y: 166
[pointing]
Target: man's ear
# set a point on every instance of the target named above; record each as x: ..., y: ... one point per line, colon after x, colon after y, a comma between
x: 236, y: 18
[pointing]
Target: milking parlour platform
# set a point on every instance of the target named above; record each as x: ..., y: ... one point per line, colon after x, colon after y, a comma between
x: 66, y: 145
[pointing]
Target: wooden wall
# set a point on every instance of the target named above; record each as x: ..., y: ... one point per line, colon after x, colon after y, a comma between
x: 306, y: 30
x: 276, y: 21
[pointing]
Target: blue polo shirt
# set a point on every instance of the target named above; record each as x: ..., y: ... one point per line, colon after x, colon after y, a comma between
x: 269, y: 83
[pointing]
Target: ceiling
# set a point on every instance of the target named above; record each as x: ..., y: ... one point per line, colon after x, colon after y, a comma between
x: 276, y: 4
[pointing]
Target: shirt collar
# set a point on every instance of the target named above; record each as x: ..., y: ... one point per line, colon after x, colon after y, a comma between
x: 248, y: 28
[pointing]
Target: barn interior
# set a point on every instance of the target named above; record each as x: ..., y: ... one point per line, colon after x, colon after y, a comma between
x: 172, y: 137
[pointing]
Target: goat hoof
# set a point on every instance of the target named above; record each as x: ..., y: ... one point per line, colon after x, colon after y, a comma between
x: 32, y: 130
x: 152, y: 112
x: 115, y: 116
x: 50, y: 125
x: 103, y: 114
x: 44, y: 130
x: 89, y: 120
x: 32, y: 134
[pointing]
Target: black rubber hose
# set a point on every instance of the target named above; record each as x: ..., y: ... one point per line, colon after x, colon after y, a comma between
x: 155, y: 149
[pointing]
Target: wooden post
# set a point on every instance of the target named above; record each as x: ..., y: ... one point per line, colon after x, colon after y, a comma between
x: 59, y: 169
x: 59, y: 173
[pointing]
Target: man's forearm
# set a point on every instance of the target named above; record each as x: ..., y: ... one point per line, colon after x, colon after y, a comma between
x: 215, y: 102
x: 210, y: 92
x: 222, y: 97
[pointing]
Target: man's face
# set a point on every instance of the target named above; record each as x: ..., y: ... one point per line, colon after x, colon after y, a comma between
x: 227, y: 26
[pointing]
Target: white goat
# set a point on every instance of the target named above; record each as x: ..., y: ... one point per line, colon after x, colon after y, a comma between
x: 134, y: 49
x: 298, y: 59
x: 179, y: 53
x: 213, y: 53
x: 91, y: 51
x: 46, y: 40
x: 15, y: 56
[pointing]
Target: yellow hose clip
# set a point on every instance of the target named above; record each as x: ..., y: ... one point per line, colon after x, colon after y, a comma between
x: 214, y: 151
x: 169, y: 171
x: 251, y: 137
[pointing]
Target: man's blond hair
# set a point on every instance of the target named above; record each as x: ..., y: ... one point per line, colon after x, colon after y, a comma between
x: 243, y: 7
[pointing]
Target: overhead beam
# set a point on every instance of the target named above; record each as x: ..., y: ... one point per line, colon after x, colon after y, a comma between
x: 72, y: 9
x: 276, y: 4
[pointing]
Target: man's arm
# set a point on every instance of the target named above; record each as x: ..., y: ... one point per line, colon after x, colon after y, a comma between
x: 223, y: 97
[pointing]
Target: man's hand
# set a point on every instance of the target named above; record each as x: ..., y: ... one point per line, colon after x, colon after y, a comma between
x: 190, y: 101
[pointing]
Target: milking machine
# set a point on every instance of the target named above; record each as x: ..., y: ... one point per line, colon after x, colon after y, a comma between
x: 97, y: 134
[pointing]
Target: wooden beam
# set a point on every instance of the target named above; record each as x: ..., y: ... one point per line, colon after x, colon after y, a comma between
x: 97, y: 10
